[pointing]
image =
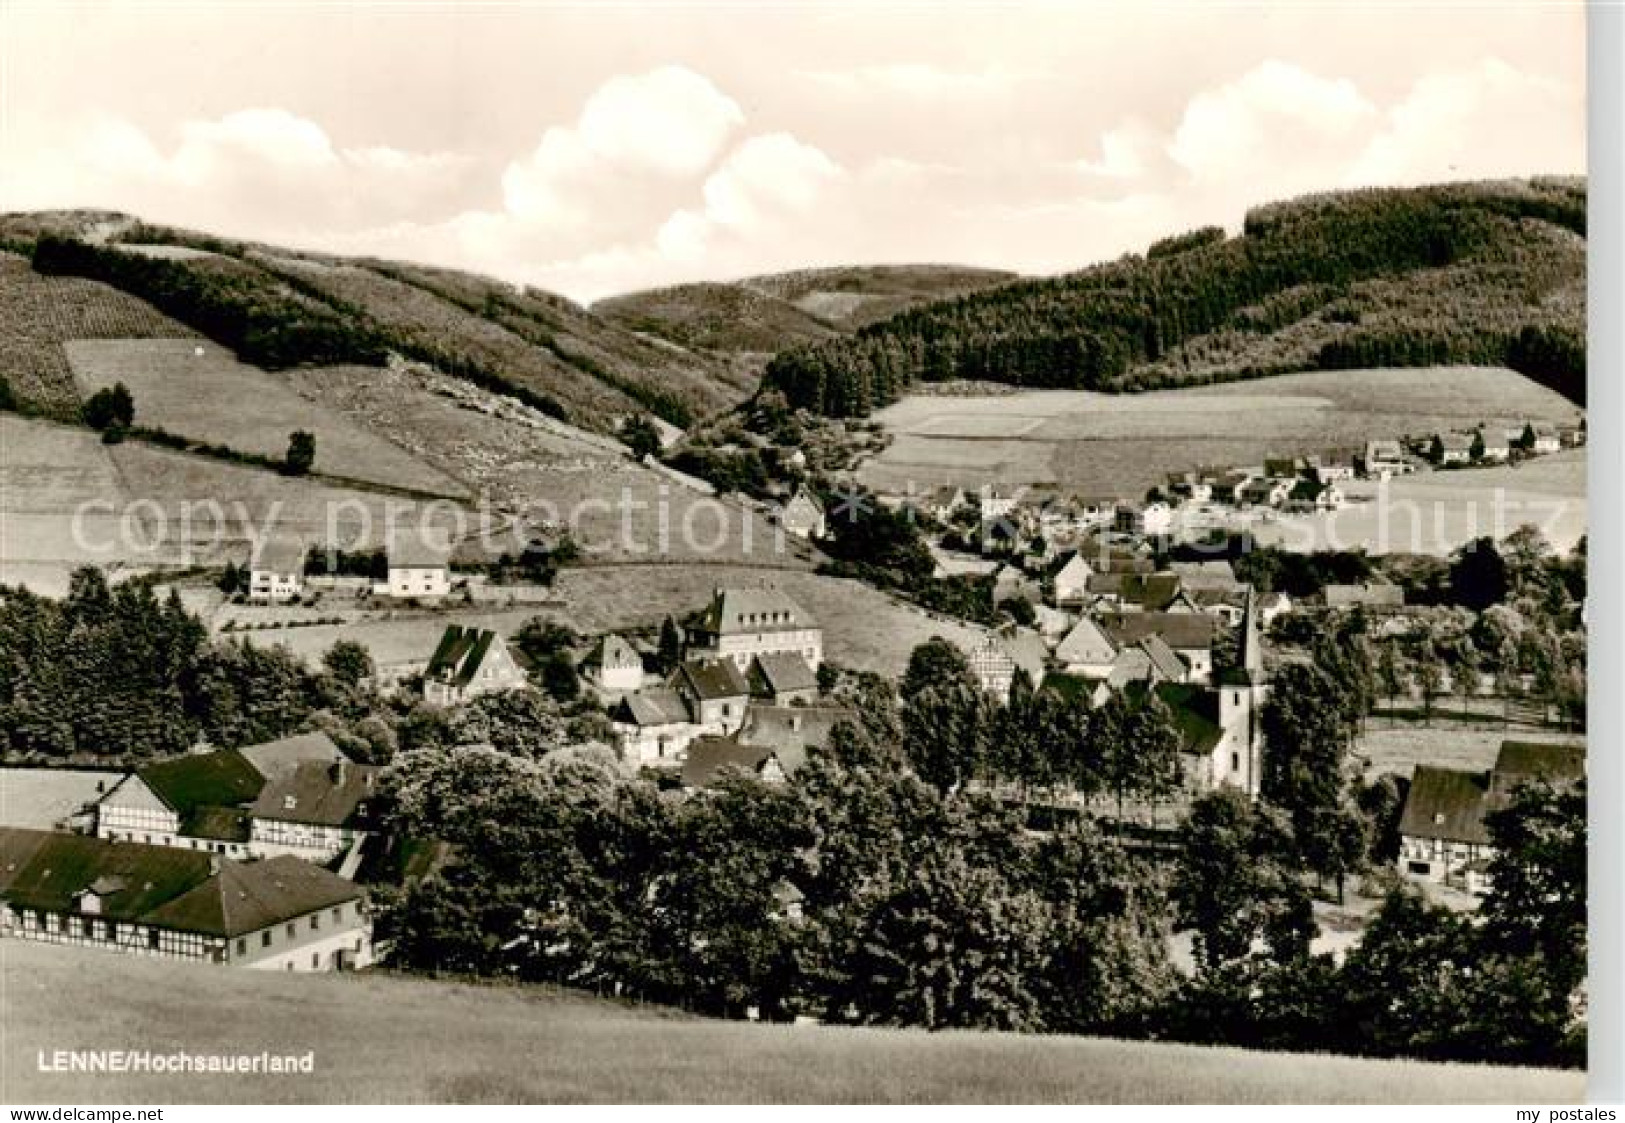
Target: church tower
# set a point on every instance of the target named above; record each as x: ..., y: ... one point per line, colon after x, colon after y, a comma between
x: 1238, y: 759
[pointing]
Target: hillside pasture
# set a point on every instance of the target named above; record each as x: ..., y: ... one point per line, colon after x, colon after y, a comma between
x: 1126, y: 443
x: 521, y: 461
x: 38, y: 314
x: 379, y: 1038
x: 211, y: 397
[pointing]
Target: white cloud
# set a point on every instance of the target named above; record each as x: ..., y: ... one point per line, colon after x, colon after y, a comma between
x: 1483, y: 121
x: 1275, y: 117
x: 671, y: 120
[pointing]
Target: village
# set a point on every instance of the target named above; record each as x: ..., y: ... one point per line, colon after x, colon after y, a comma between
x: 249, y: 855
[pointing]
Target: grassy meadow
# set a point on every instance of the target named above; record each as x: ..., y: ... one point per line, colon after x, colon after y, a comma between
x: 1125, y: 443
x: 1400, y: 748
x: 197, y: 389
x: 389, y: 1039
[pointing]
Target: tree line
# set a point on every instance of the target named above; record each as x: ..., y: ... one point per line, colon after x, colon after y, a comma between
x: 1093, y: 329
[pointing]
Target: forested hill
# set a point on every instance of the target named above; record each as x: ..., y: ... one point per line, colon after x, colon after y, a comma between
x: 762, y: 315
x: 280, y: 308
x: 1487, y: 273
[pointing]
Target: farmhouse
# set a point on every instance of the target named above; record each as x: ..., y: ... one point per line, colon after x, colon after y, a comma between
x: 1190, y: 634
x: 741, y: 624
x: 469, y: 662
x: 781, y: 678
x: 1383, y: 459
x: 715, y: 692
x: 192, y: 802
x: 280, y: 914
x: 419, y: 566
x: 653, y: 727
x: 803, y: 515
x: 613, y: 666
x: 315, y: 811
x: 1228, y: 487
x: 1443, y: 836
x: 1071, y: 581
x: 993, y: 667
x: 1491, y: 445
x: 1540, y: 437
x: 1451, y: 448
x: 1148, y: 520
x: 1334, y: 466
x: 1308, y: 496
x: 276, y: 571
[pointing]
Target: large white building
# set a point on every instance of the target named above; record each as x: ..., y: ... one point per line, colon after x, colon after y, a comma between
x: 741, y: 624
x: 281, y: 914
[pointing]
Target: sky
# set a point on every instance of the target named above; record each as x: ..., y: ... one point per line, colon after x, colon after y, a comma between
x: 591, y: 149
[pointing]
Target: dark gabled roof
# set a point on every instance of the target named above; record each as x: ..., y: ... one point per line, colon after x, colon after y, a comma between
x: 709, y: 756
x: 326, y: 795
x: 733, y: 611
x: 1181, y: 630
x: 1164, y: 660
x: 222, y: 824
x: 245, y: 897
x: 457, y: 657
x: 219, y: 779
x: 781, y: 672
x: 271, y: 757
x: 791, y: 730
x: 711, y: 679
x: 658, y: 705
x: 1446, y: 804
x: 48, y: 870
x: 1536, y: 760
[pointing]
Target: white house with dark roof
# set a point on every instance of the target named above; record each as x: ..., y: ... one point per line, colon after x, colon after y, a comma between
x: 614, y: 666
x: 314, y: 811
x: 653, y: 727
x: 715, y: 691
x: 276, y: 570
x: 419, y: 565
x: 469, y: 662
x: 1086, y: 650
x: 782, y: 677
x: 742, y: 623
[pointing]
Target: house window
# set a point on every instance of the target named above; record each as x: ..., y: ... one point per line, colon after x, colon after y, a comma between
x: 242, y: 947
x: 88, y: 926
x: 315, y: 922
x: 292, y: 931
x: 338, y: 914
x: 265, y: 938
x: 1235, y: 762
x: 153, y: 938
x: 316, y: 961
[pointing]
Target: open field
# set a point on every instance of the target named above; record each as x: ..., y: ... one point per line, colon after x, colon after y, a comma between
x: 1125, y: 443
x: 1401, y: 748
x: 69, y: 500
x: 38, y: 314
x: 523, y: 461
x: 407, y: 637
x: 863, y: 627
x: 197, y: 389
x: 1434, y: 512
x: 41, y: 798
x: 386, y: 1039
